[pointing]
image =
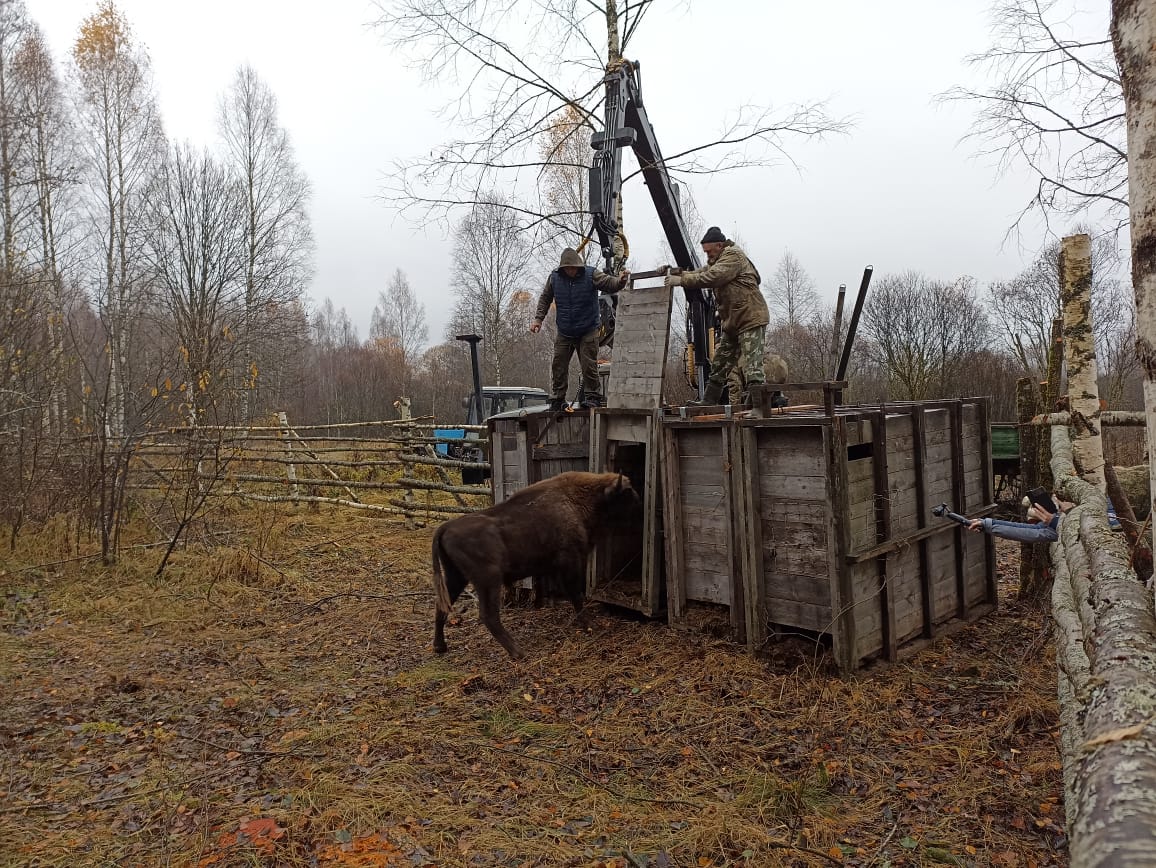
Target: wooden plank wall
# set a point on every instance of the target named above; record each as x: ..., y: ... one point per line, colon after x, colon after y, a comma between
x: 558, y: 443
x: 793, y: 524
x: 508, y: 465
x: 863, y: 608
x: 641, y: 332
x: 837, y: 535
x: 933, y: 453
x: 698, y: 512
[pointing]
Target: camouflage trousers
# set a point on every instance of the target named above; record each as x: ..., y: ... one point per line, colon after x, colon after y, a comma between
x: 564, y: 349
x: 741, y: 354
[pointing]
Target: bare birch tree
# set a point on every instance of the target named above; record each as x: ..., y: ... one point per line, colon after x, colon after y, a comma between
x: 1054, y: 106
x: 791, y: 294
x: 1023, y: 308
x: 278, y: 237
x: 121, y: 140
x: 52, y: 154
x: 13, y: 132
x: 400, y: 316
x: 196, y: 248
x: 492, y: 262
x: 1133, y: 35
x: 922, y: 331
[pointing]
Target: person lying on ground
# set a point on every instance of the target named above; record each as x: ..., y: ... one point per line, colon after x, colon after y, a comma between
x: 1044, y: 528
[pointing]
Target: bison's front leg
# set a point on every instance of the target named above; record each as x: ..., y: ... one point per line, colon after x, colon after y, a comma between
x: 489, y: 612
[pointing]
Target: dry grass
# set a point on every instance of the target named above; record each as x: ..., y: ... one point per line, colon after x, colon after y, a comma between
x: 287, y: 676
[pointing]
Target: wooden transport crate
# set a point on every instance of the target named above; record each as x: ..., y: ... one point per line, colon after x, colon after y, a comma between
x: 834, y: 528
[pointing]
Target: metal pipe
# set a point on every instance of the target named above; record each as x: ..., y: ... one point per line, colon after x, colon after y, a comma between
x: 841, y: 373
x: 473, y: 341
x: 834, y: 359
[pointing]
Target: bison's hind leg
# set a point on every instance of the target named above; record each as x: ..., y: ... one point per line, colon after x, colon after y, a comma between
x: 455, y: 584
x: 489, y: 612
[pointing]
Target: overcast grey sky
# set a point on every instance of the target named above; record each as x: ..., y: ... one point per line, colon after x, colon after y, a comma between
x: 898, y: 192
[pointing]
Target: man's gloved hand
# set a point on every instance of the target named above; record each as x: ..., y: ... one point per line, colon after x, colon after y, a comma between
x: 672, y: 280
x: 664, y: 270
x: 623, y: 279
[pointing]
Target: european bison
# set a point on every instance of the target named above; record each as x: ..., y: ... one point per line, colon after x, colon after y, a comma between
x: 546, y: 529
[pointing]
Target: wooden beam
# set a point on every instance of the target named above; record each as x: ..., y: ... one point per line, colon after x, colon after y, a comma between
x: 883, y: 527
x: 919, y: 456
x: 959, y: 493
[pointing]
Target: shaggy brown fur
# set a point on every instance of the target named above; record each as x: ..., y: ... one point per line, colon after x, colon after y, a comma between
x: 546, y: 529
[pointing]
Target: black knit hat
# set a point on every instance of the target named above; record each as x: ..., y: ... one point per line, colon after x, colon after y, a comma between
x: 713, y: 235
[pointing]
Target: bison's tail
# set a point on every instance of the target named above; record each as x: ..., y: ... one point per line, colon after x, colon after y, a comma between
x: 441, y: 590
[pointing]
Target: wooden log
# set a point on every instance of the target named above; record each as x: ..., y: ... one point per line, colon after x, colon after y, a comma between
x: 1108, y: 739
x: 290, y: 469
x: 1129, y: 418
x: 1080, y: 356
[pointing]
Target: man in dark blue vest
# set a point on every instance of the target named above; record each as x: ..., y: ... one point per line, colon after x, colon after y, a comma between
x: 573, y: 287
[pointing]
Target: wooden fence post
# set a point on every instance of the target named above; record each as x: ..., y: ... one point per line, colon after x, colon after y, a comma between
x: 1033, y: 558
x: 1080, y: 354
x: 290, y: 468
x: 408, y: 470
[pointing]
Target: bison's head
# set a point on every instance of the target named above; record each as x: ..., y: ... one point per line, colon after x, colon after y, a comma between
x: 621, y: 500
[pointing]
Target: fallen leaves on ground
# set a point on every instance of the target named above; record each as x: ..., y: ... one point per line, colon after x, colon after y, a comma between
x: 297, y: 717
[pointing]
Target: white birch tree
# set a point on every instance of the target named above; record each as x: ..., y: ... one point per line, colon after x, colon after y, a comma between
x: 278, y: 236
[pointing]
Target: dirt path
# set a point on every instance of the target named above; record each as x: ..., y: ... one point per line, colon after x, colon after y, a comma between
x: 253, y: 711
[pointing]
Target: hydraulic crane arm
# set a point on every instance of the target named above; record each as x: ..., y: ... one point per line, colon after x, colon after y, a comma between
x: 626, y: 124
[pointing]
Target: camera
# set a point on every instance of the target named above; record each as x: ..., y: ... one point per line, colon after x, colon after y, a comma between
x: 944, y: 511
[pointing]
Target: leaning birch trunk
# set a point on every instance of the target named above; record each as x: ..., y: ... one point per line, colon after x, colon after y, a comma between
x: 1080, y: 354
x: 1106, y: 655
x: 1133, y: 35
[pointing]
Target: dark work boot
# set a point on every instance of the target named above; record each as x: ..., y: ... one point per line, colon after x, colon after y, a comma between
x: 557, y: 405
x: 778, y: 399
x: 711, y: 396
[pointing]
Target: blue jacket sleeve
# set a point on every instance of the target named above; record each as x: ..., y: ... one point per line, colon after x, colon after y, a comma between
x: 1023, y: 532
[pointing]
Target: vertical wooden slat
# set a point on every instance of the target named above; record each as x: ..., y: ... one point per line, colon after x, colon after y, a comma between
x: 958, y: 493
x: 746, y: 472
x: 597, y: 465
x: 883, y: 528
x: 674, y: 531
x: 843, y: 634
x: 651, y: 557
x: 730, y: 499
x: 919, y: 457
x: 984, y: 413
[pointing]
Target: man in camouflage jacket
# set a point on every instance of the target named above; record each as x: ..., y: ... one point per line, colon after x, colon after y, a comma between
x: 742, y: 311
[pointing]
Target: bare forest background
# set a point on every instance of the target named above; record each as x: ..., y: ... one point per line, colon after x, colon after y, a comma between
x: 149, y: 284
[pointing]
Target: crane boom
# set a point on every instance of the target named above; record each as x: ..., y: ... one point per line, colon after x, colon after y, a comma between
x: 627, y: 125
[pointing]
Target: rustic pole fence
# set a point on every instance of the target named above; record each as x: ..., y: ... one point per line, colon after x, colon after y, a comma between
x: 404, y: 454
x: 1106, y: 656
